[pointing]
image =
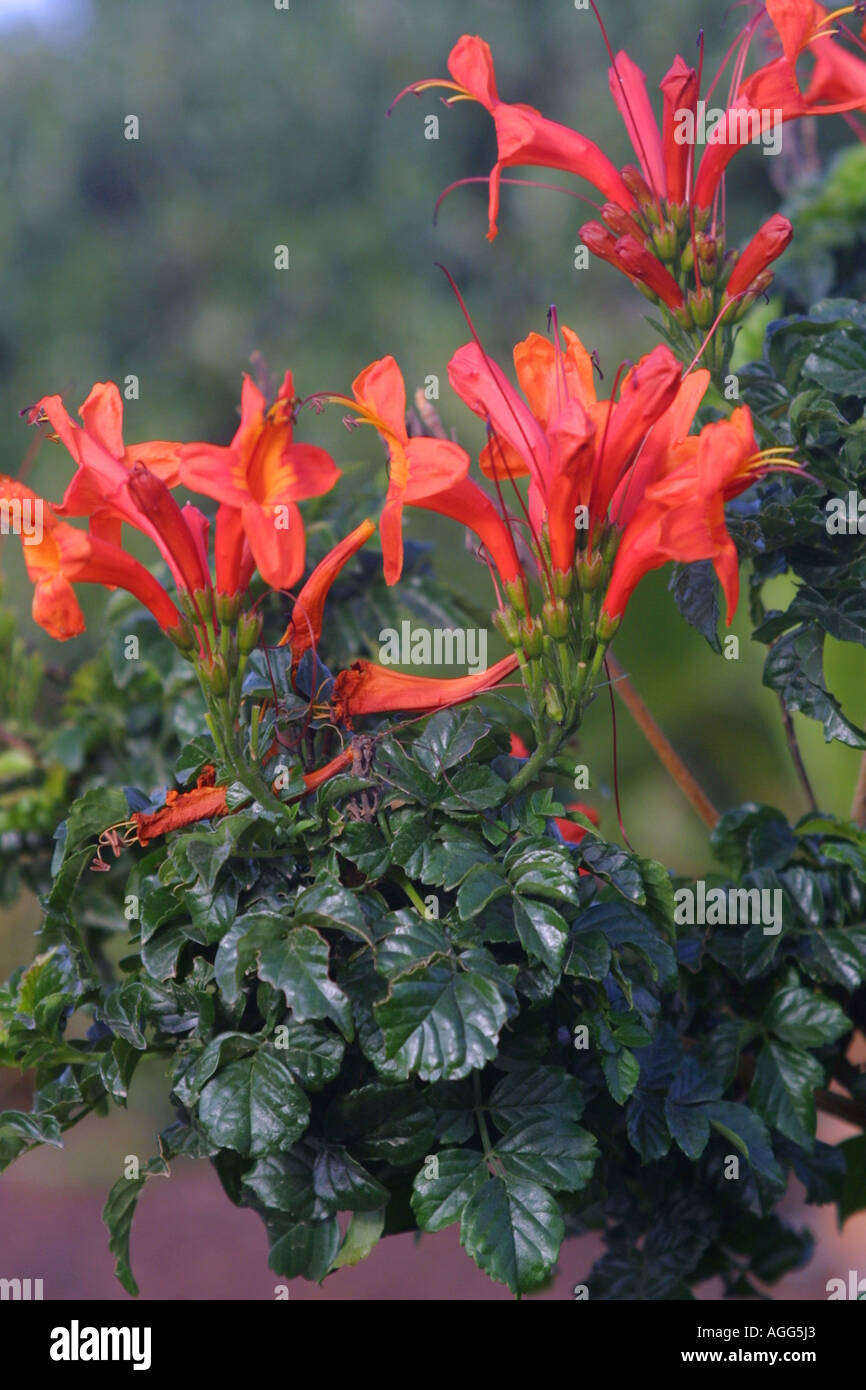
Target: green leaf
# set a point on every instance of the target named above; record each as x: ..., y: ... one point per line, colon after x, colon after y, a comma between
x: 118, y: 1214
x: 254, y: 1106
x: 588, y: 955
x: 390, y: 1124
x: 805, y: 1019
x: 473, y: 788
x: 747, y: 1132
x: 482, y: 885
x: 362, y: 1234
x: 440, y: 1024
x: 529, y: 1094
x: 795, y: 668
x: 783, y: 1090
x: 297, y: 964
x: 621, y: 1072
x: 302, y: 1248
x: 696, y: 594
x: 553, y: 1151
x: 853, y: 1198
x: 439, y: 1200
x: 513, y: 1231
x: 312, y: 1052
x: 330, y: 906
x: 542, y: 930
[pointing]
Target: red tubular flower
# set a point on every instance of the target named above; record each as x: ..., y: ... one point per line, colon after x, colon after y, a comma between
x: 180, y: 544
x: 369, y: 689
x: 523, y: 135
x: 575, y: 448
x: 468, y: 503
x: 680, y: 91
x: 305, y: 625
x: 420, y: 467
x: 640, y: 263
x: 62, y: 555
x: 233, y: 558
x: 681, y: 516
x: 102, y: 457
x: 628, y: 89
x: 205, y: 801
x: 766, y: 246
x: 263, y: 474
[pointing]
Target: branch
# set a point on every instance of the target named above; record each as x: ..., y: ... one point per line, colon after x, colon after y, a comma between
x: 664, y: 751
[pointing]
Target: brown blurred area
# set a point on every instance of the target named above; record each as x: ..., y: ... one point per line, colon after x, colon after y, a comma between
x: 189, y: 1242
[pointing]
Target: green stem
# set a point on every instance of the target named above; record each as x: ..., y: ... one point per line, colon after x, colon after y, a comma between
x: 486, y: 1141
x: 398, y: 876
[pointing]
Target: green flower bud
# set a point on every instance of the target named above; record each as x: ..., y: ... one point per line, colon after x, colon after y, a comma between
x: 532, y: 637
x: 555, y: 618
x: 507, y: 624
x: 589, y: 572
x: 553, y: 704
x: 227, y: 608
x: 606, y: 627
x: 249, y: 631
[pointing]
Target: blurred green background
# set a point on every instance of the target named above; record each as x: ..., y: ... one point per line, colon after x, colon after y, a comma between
x: 260, y: 127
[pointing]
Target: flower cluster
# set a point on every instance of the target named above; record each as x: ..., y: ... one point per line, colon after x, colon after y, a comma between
x: 662, y: 220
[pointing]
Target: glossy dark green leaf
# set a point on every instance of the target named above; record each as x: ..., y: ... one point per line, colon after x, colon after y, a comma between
x: 254, y: 1105
x: 297, y: 964
x: 513, y: 1231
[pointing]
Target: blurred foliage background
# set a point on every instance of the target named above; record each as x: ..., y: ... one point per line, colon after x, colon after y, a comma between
x: 260, y: 127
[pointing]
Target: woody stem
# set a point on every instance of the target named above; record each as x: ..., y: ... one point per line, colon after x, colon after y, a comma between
x: 664, y: 751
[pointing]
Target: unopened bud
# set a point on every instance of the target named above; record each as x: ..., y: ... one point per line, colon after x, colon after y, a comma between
x: 589, y: 573
x: 182, y: 636
x: 507, y: 624
x: 563, y: 582
x: 554, y: 615
x: 553, y: 704
x: 532, y: 637
x: 249, y: 631
x: 606, y: 627
x: 227, y: 607
x: 218, y: 675
x: 514, y: 590
x: 664, y: 241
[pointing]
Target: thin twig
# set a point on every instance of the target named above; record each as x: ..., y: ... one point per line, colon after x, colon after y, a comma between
x: 664, y: 751
x: 796, y: 755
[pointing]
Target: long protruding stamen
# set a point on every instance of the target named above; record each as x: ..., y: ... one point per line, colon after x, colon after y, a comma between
x: 416, y: 88
x: 635, y: 126
x: 520, y: 183
x: 536, y: 539
x: 478, y: 343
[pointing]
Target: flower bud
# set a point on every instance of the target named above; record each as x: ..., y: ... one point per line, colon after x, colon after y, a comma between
x: 532, y: 637
x: 589, y: 573
x: 555, y: 618
x: 507, y: 624
x: 514, y: 590
x: 218, y: 675
x: 563, y: 582
x: 227, y: 607
x: 606, y: 627
x: 249, y: 631
x: 553, y: 704
x: 182, y: 636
